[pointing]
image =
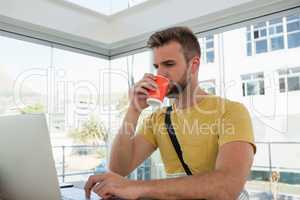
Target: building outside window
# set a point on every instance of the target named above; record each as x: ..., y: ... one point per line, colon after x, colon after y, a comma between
x: 260, y: 38
x: 271, y: 35
x: 207, y: 49
x: 208, y: 86
x: 249, y: 41
x: 276, y: 41
x: 289, y: 79
x: 293, y: 30
x: 253, y: 84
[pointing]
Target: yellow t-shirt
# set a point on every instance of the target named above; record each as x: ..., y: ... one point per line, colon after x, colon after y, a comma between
x: 200, y: 130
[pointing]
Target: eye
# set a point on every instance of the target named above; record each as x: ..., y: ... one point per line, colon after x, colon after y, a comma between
x: 169, y: 64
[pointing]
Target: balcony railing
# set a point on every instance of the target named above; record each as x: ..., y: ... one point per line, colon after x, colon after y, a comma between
x: 282, y: 157
x: 77, y: 160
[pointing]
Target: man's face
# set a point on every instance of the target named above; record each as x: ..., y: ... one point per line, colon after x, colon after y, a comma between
x: 169, y: 61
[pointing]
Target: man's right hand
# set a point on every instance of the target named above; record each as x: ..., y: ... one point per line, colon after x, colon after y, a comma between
x: 139, y: 93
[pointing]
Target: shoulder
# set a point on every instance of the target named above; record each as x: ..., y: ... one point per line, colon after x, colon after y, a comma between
x: 225, y: 106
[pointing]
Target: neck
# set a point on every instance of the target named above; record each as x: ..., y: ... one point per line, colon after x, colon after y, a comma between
x: 191, y: 95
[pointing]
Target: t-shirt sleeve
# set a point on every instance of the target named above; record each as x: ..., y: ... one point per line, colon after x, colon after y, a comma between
x: 236, y: 125
x: 146, y: 130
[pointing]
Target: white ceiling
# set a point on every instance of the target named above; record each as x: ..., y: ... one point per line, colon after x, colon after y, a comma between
x: 113, y: 34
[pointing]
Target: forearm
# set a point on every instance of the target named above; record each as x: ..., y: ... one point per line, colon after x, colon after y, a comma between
x: 122, y: 147
x: 211, y: 186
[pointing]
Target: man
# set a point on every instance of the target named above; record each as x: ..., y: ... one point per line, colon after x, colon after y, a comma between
x: 215, y: 134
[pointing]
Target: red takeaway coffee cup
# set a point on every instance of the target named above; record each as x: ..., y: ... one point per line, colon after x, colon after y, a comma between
x: 156, y: 97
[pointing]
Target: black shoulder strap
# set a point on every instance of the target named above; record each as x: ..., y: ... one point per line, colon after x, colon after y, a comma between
x: 171, y: 132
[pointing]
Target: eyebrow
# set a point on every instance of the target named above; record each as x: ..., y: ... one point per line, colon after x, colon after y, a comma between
x: 165, y: 62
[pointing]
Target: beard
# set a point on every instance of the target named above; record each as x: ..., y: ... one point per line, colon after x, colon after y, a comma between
x: 176, y: 88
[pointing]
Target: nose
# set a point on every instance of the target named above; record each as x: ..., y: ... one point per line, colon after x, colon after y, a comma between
x: 162, y: 72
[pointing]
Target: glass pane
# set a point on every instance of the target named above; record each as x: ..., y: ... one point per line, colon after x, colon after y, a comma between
x: 261, y: 87
x: 103, y: 6
x: 81, y: 107
x: 249, y: 36
x: 260, y: 25
x: 244, y: 89
x: 24, y: 69
x: 258, y: 181
x: 249, y: 49
x: 263, y: 33
x: 258, y: 75
x: 256, y: 34
x: 294, y: 40
x: 295, y: 70
x: 277, y: 43
x: 293, y: 17
x: 293, y: 26
x: 279, y: 29
x: 275, y: 21
x: 252, y: 88
x: 107, y: 7
x: 282, y: 84
x: 283, y: 71
x: 271, y: 30
x: 274, y: 117
x: 208, y: 86
x: 285, y: 167
x: 293, y: 83
x: 209, y: 45
x: 210, y: 57
x: 246, y: 77
x: 210, y: 37
x: 261, y: 46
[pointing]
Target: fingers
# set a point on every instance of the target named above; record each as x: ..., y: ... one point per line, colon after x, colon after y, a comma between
x: 92, y: 181
x: 103, y: 190
x: 149, y: 76
x: 147, y: 83
x: 141, y: 91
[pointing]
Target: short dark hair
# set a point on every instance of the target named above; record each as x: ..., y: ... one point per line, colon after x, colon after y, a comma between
x: 183, y: 35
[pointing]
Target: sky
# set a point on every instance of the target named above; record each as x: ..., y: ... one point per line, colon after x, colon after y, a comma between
x: 106, y: 7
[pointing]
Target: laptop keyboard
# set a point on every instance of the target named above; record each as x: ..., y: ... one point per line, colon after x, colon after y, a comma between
x: 66, y: 198
x: 76, y: 194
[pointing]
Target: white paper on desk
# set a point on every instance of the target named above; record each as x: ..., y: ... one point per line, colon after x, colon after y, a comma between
x: 77, y: 194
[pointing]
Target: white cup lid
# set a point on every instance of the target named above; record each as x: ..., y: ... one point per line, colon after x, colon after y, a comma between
x: 154, y: 102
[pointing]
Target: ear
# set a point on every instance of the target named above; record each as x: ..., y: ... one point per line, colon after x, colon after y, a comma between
x: 195, y: 64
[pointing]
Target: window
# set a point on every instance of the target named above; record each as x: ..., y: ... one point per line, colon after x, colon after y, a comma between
x: 28, y: 73
x: 249, y: 41
x: 208, y: 86
x: 107, y: 7
x: 260, y: 37
x: 253, y: 84
x: 271, y: 35
x: 293, y: 30
x: 207, y: 49
x: 289, y: 79
x: 50, y: 81
x: 276, y: 34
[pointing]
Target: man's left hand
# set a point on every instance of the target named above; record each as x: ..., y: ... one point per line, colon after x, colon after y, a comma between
x: 111, y: 184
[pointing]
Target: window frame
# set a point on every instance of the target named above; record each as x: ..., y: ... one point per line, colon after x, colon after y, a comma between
x: 203, y: 41
x: 285, y: 74
x: 253, y: 78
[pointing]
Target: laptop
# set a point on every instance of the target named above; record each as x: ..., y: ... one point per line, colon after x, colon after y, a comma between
x: 27, y: 169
